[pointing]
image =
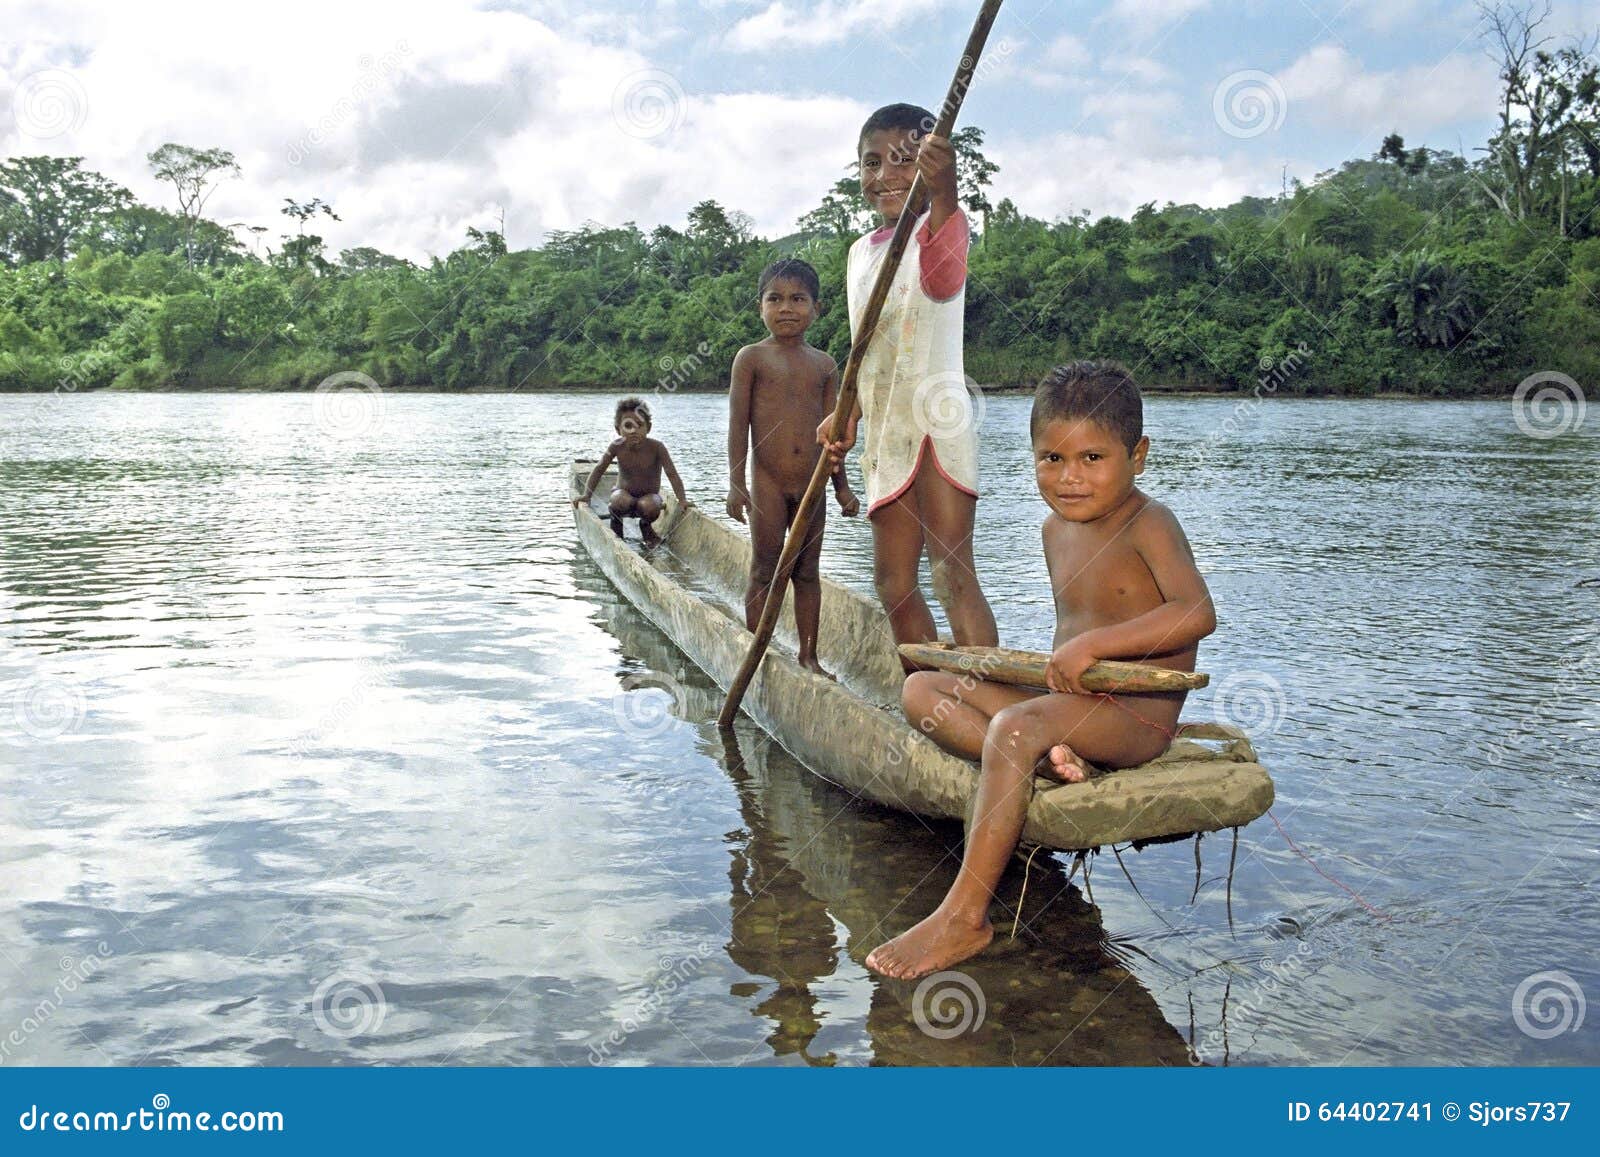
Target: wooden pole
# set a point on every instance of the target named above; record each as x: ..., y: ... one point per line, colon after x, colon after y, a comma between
x: 779, y: 586
x: 1027, y: 668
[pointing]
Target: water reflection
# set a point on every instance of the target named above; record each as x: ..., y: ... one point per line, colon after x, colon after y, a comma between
x: 289, y: 708
x: 819, y: 878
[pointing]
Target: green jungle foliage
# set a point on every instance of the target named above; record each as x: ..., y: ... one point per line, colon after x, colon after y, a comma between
x: 1413, y: 270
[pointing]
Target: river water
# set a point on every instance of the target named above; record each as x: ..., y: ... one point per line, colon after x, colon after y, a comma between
x: 311, y: 751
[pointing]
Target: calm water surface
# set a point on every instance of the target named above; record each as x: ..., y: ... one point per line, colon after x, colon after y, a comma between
x: 311, y: 748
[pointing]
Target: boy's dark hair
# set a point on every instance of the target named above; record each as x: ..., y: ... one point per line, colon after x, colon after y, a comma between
x: 633, y: 406
x: 1102, y: 391
x: 909, y: 117
x: 793, y: 269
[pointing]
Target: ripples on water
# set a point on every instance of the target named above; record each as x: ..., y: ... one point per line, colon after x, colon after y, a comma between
x: 312, y: 755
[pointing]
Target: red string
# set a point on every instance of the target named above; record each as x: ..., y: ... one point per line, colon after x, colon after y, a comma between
x: 1332, y: 880
x: 1324, y: 875
x: 1115, y: 702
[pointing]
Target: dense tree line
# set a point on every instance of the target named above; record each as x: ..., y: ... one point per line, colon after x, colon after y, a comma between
x: 1411, y: 270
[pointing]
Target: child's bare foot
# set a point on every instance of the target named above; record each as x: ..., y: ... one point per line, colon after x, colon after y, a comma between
x: 814, y: 665
x: 647, y: 531
x: 938, y: 942
x: 1063, y: 765
x: 616, y: 526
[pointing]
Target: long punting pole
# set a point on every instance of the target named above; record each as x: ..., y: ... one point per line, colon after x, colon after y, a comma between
x: 852, y: 368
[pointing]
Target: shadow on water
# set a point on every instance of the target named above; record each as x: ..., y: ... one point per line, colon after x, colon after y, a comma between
x: 818, y: 878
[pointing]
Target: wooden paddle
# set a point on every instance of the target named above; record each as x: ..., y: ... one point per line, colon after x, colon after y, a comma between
x: 852, y: 368
x: 1027, y: 668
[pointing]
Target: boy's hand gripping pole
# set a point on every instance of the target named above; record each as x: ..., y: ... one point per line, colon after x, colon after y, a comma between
x: 852, y: 368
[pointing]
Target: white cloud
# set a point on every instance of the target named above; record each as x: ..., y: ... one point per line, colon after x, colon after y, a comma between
x: 1148, y: 16
x: 418, y: 119
x: 1130, y: 116
x: 1067, y: 51
x: 1328, y: 86
x: 1110, y: 174
x: 1388, y: 15
x: 782, y: 24
x: 1141, y: 69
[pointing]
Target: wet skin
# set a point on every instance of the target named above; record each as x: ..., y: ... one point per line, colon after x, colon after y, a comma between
x: 1126, y: 587
x: 781, y: 389
x: 641, y: 460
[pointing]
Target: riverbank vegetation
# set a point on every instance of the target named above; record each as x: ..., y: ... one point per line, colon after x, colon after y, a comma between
x: 1409, y: 270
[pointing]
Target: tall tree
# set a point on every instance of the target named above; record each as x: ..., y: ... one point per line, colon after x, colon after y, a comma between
x: 48, y: 204
x: 195, y: 174
x: 842, y: 213
x: 974, y: 172
x: 303, y: 248
x: 1548, y: 106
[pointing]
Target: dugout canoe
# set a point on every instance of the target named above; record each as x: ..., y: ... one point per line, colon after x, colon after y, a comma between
x: 852, y: 732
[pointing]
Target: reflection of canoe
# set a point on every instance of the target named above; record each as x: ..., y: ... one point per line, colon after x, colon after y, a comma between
x: 852, y: 732
x: 811, y: 877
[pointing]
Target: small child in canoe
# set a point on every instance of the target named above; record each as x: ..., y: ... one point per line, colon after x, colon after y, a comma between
x: 781, y: 389
x: 640, y: 460
x: 1126, y: 587
x: 920, y: 458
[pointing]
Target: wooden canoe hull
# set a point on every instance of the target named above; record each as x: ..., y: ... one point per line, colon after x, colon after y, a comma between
x: 852, y: 732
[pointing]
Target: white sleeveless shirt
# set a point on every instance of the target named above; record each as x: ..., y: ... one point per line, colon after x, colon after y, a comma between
x: 913, y: 391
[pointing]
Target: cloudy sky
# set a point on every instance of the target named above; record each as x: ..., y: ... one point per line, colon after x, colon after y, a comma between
x: 418, y: 118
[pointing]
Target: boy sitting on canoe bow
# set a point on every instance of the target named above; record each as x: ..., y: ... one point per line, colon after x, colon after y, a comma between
x: 1126, y: 587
